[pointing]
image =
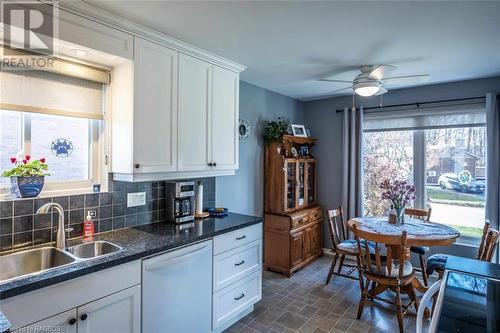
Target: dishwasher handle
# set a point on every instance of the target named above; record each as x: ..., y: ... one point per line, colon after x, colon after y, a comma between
x: 162, y: 263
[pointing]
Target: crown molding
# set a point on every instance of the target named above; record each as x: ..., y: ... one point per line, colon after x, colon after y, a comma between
x: 86, y: 10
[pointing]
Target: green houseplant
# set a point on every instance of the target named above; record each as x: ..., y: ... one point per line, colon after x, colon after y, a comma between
x: 27, y: 176
x: 274, y: 130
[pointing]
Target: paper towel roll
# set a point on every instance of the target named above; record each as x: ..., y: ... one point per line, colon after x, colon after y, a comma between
x: 199, y: 199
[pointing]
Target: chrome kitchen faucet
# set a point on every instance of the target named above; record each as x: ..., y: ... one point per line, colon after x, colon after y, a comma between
x: 61, y: 236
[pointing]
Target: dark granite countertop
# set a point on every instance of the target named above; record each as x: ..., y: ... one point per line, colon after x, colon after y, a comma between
x: 138, y: 242
x: 4, y: 323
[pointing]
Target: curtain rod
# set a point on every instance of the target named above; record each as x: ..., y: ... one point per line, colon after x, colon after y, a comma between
x: 417, y: 104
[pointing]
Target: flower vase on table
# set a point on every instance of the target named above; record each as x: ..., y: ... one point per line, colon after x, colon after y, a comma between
x: 400, y: 193
x: 400, y: 215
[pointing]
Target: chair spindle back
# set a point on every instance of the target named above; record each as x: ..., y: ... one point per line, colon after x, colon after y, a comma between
x: 488, y: 243
x: 370, y: 260
x: 336, y: 226
x: 423, y: 214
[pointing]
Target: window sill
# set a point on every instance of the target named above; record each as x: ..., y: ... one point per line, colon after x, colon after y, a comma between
x: 55, y: 189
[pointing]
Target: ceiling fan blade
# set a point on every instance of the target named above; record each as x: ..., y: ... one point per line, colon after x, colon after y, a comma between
x: 380, y: 71
x: 338, y: 90
x: 406, y: 79
x: 341, y: 81
x: 381, y: 91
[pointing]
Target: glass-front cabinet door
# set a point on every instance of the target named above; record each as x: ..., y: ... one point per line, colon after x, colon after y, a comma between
x: 290, y: 184
x: 310, y: 180
x: 301, y: 186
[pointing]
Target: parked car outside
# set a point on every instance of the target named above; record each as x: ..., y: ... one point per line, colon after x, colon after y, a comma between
x: 451, y: 181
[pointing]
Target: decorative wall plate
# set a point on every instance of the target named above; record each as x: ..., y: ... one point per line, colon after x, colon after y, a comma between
x: 244, y: 129
x: 61, y: 147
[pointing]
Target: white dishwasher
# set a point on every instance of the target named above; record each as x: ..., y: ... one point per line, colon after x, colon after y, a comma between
x: 177, y: 291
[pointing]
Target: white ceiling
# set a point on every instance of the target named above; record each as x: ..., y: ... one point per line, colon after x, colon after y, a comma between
x: 287, y: 45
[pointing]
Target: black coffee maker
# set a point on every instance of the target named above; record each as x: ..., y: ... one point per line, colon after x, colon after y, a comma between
x: 180, y: 201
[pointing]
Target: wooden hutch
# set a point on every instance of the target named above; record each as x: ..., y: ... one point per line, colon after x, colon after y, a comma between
x: 293, y: 220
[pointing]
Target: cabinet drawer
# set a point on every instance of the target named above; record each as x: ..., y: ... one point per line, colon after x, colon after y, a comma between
x: 235, y: 264
x: 315, y: 214
x: 232, y: 300
x: 237, y: 238
x: 299, y: 220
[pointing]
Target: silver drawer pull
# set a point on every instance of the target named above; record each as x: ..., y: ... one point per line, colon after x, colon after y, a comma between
x: 239, y: 297
x: 239, y: 263
x: 241, y: 237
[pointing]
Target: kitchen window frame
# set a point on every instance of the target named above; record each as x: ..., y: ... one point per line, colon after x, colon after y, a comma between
x: 97, y: 161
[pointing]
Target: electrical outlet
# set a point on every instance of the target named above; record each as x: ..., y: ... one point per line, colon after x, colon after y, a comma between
x: 92, y: 213
x: 136, y: 199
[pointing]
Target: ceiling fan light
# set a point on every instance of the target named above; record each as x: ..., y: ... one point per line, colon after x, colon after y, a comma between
x: 367, y: 89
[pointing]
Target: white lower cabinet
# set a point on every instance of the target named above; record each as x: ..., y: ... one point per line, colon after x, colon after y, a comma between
x: 230, y: 301
x: 64, y: 323
x: 107, y: 301
x: 237, y: 281
x: 117, y: 313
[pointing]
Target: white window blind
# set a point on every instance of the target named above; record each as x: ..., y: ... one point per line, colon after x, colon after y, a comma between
x: 428, y: 116
x: 49, y: 93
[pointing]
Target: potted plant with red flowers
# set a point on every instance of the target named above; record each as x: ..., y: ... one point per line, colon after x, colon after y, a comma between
x: 27, y: 176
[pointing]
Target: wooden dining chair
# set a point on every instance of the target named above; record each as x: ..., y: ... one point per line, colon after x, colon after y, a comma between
x: 421, y: 251
x: 341, y: 245
x: 391, y: 271
x: 489, y: 242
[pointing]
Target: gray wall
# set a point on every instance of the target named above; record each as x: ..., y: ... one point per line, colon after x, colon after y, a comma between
x: 243, y: 192
x: 326, y: 125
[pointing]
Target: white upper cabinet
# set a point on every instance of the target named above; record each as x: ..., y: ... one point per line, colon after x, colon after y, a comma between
x: 208, y: 116
x: 195, y: 112
x: 173, y: 116
x: 155, y: 107
x: 225, y: 119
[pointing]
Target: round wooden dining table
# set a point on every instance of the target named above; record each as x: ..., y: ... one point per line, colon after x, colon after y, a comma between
x: 419, y: 233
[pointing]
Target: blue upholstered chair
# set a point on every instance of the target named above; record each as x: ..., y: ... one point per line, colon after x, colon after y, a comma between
x: 489, y: 241
x: 423, y: 214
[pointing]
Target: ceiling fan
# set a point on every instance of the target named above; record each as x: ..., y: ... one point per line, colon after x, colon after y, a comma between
x: 372, y: 79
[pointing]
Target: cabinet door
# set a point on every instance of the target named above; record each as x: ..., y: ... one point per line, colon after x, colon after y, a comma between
x: 301, y: 184
x: 308, y: 242
x: 296, y: 248
x: 316, y: 239
x: 117, y: 313
x: 225, y: 119
x: 290, y: 175
x: 64, y: 322
x: 195, y: 114
x: 310, y: 180
x: 155, y: 108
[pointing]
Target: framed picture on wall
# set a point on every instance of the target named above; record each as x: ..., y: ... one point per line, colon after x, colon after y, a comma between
x: 299, y: 130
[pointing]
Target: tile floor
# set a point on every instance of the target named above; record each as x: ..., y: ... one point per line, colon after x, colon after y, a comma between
x: 304, y: 304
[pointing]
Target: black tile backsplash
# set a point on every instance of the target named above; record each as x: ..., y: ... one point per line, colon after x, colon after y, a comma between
x: 19, y: 226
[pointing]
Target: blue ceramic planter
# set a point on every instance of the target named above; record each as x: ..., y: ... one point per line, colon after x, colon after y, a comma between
x: 27, y: 187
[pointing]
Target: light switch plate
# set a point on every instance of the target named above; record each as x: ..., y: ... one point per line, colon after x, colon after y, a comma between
x: 136, y: 199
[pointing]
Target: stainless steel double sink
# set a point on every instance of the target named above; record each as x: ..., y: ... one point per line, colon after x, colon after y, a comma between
x: 38, y: 260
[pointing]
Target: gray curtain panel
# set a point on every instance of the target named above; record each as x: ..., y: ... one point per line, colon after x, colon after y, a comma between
x: 493, y: 159
x: 352, y: 177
